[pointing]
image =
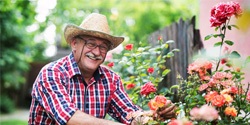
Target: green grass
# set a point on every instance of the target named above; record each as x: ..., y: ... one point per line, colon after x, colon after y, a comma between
x: 13, y: 122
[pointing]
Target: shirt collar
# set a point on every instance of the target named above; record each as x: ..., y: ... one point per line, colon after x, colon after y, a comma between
x: 74, y: 69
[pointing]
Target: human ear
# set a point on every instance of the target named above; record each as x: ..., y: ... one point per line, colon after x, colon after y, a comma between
x: 73, y: 45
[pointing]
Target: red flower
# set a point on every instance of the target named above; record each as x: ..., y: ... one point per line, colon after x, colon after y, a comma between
x: 223, y: 11
x: 159, y: 37
x: 147, y: 88
x: 129, y: 47
x: 111, y: 64
x: 234, y: 89
x: 224, y: 60
x: 130, y: 86
x: 150, y: 70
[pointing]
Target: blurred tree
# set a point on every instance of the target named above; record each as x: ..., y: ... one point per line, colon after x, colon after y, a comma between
x: 133, y: 19
x: 17, y: 47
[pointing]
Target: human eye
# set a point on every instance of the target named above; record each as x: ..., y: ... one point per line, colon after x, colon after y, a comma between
x: 91, y: 44
x: 103, y: 48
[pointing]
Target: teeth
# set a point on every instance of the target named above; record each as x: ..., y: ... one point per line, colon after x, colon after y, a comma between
x: 91, y: 57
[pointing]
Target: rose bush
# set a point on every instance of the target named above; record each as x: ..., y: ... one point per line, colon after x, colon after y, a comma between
x: 142, y: 70
x: 214, y: 93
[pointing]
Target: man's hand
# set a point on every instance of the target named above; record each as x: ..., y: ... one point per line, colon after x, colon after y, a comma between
x: 166, y: 112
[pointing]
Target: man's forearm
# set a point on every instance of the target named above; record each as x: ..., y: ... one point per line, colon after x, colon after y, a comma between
x: 81, y: 118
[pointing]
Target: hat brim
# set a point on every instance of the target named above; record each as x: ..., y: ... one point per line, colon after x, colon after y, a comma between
x: 72, y: 30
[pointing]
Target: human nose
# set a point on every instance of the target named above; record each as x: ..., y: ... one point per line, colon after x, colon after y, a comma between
x: 96, y: 50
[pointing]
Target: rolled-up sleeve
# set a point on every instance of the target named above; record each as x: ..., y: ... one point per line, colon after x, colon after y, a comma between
x: 121, y: 105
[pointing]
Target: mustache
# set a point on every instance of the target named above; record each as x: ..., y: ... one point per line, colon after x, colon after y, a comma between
x: 92, y: 56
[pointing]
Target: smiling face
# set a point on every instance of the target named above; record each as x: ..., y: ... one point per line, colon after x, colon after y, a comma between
x: 89, y: 52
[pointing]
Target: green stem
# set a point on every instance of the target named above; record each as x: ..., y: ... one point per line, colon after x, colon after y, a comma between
x: 222, y: 41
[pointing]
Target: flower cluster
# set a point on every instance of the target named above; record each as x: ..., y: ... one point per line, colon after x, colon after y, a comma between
x: 143, y: 68
x: 214, y: 92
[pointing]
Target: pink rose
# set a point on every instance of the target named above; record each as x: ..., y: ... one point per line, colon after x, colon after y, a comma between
x: 248, y: 96
x: 207, y: 113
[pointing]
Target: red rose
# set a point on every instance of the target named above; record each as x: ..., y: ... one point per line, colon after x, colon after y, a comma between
x: 147, y: 88
x: 150, y: 70
x: 223, y: 61
x: 129, y: 47
x: 130, y: 86
x: 111, y: 64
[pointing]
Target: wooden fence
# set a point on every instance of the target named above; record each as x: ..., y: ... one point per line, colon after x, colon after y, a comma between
x: 187, y: 39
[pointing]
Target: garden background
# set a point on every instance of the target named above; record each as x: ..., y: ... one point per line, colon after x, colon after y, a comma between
x: 32, y: 35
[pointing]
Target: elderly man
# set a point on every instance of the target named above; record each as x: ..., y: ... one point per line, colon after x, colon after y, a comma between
x: 76, y: 89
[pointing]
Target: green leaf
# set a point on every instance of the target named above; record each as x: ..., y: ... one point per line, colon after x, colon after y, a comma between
x: 217, y: 28
x: 208, y: 36
x: 228, y: 42
x: 166, y: 46
x: 217, y: 44
x: 170, y: 54
x: 176, y: 50
x: 127, y: 54
x: 165, y: 72
x: 174, y: 87
x: 229, y: 27
x: 235, y: 26
x: 170, y: 41
x: 234, y: 54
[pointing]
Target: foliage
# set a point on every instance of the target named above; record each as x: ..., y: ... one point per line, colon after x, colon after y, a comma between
x: 17, y: 46
x: 6, y: 105
x: 214, y: 93
x: 145, y: 69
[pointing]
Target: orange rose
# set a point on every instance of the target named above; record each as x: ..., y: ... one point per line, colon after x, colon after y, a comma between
x: 158, y: 102
x: 218, y: 100
x: 209, y: 96
x: 230, y: 111
x: 152, y: 105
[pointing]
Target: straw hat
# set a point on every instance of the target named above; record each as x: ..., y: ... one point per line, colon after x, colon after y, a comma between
x: 93, y: 25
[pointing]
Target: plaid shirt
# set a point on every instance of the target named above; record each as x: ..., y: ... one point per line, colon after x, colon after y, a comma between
x: 60, y: 90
